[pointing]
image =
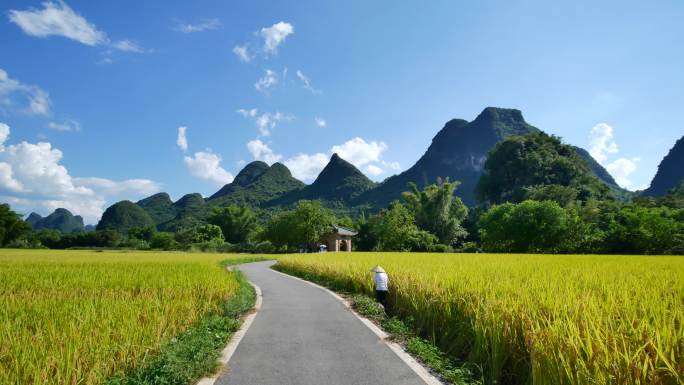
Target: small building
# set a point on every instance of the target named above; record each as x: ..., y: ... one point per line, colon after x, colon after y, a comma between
x: 338, y: 239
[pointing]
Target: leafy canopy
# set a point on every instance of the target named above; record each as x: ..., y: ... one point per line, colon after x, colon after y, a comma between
x: 521, y: 163
x: 237, y: 222
x: 437, y: 210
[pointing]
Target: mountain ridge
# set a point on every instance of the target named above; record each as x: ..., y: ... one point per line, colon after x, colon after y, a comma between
x: 457, y: 151
x: 670, y: 171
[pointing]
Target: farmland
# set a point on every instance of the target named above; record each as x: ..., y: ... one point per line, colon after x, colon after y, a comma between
x: 539, y: 319
x: 77, y: 317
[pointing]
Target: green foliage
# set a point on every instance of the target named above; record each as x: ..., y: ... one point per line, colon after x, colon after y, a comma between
x: 142, y: 233
x: 238, y: 223
x: 394, y: 229
x: 12, y: 227
x: 644, y: 230
x: 303, y: 226
x: 437, y: 211
x: 162, y: 240
x: 530, y: 226
x: 124, y: 216
x: 522, y: 162
x: 565, y: 196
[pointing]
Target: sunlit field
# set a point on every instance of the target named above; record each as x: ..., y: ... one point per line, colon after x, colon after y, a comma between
x: 540, y: 319
x: 76, y: 317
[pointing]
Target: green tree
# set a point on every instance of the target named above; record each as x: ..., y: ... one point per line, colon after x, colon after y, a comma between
x: 208, y: 233
x: 394, y: 227
x: 438, y: 211
x: 311, y: 221
x: 12, y: 227
x: 522, y: 162
x: 238, y: 223
x: 142, y: 233
x: 163, y: 240
x: 527, y: 227
x: 644, y: 230
x: 303, y: 226
x: 278, y: 231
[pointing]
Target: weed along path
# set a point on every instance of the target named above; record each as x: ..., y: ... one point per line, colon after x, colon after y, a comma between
x: 304, y: 336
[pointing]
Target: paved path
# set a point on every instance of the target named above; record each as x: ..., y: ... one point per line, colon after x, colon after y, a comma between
x: 304, y: 336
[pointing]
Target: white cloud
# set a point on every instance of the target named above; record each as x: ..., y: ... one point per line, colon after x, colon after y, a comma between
x: 205, y: 25
x: 374, y: 170
x: 247, y: 113
x: 207, y: 165
x: 16, y: 96
x: 182, y: 140
x: 621, y: 169
x: 274, y: 35
x: 601, y: 145
x: 601, y: 142
x: 306, y: 167
x: 267, y: 82
x: 391, y: 165
x: 7, y: 179
x: 108, y: 187
x: 266, y: 121
x: 261, y: 151
x: 359, y: 152
x: 4, y: 134
x: 307, y: 83
x: 33, y: 175
x: 320, y: 122
x: 128, y: 46
x: 58, y: 19
x: 242, y: 53
x: 68, y: 125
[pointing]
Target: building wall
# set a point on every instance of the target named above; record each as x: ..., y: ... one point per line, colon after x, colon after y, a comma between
x: 336, y: 242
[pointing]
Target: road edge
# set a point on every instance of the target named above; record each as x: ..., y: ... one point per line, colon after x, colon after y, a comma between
x: 420, y: 370
x: 235, y: 339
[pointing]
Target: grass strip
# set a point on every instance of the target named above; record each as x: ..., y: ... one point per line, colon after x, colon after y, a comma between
x: 193, y: 354
x: 402, y: 332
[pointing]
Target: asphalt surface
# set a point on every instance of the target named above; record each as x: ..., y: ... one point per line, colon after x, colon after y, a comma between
x: 304, y: 336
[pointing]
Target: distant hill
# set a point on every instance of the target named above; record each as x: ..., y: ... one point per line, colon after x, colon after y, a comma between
x: 340, y: 182
x: 458, y: 152
x: 61, y: 219
x: 123, y: 216
x: 159, y: 207
x: 256, y: 184
x: 189, y: 211
x: 670, y: 171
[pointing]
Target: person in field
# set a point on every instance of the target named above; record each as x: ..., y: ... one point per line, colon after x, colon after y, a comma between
x: 381, y: 285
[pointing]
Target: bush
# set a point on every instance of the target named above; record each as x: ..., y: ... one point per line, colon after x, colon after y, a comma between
x: 163, y: 241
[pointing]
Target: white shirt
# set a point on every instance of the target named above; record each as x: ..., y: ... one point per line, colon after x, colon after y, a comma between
x: 381, y: 281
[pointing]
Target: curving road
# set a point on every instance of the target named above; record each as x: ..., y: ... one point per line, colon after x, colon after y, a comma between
x: 304, y: 336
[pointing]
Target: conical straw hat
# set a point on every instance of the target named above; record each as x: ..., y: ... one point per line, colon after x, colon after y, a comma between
x: 378, y: 269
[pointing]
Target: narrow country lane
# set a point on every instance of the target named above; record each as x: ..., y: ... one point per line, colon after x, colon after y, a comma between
x: 304, y: 336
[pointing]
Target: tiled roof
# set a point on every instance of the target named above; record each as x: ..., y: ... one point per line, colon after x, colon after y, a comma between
x: 344, y: 231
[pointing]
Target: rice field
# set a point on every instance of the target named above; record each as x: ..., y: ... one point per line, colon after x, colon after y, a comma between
x: 532, y: 319
x: 76, y: 317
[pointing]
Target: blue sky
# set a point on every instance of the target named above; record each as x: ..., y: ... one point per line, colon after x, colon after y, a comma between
x: 92, y: 94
